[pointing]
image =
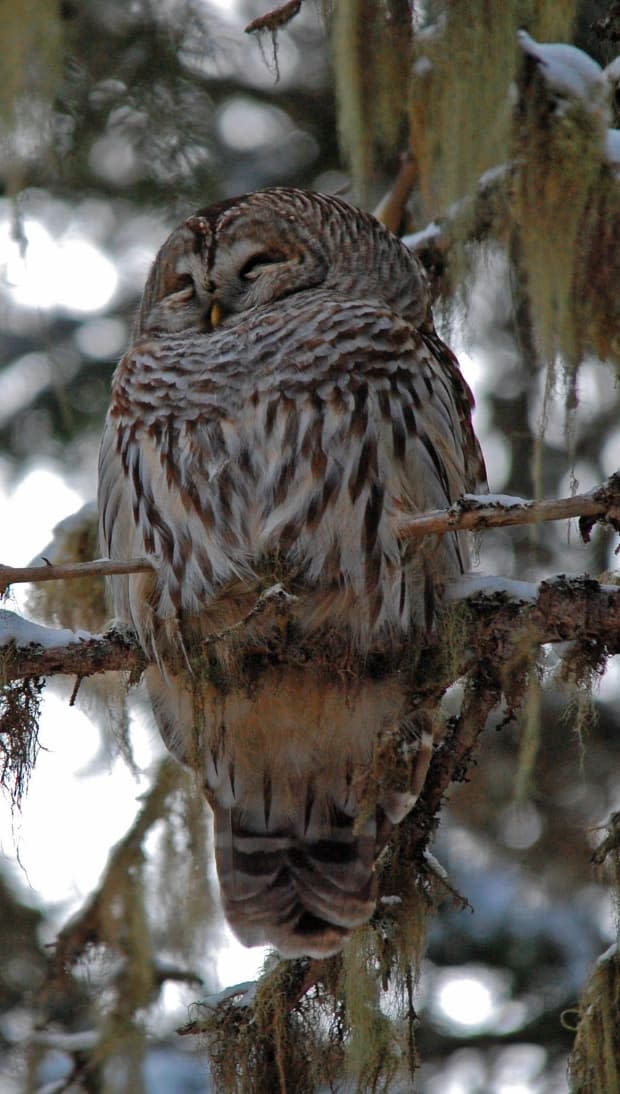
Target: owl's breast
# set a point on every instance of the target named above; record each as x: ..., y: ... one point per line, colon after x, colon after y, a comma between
x: 294, y: 437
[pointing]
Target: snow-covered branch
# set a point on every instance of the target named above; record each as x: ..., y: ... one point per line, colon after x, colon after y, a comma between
x: 501, y: 615
x: 27, y: 650
x: 602, y: 504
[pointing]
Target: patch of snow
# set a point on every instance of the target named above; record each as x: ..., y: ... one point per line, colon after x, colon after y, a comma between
x: 493, y: 174
x: 612, y: 72
x: 85, y: 1040
x: 556, y: 579
x: 612, y: 146
x: 605, y: 958
x: 13, y: 628
x: 241, y: 994
x: 423, y: 66
x: 567, y: 70
x: 571, y: 75
x: 507, y: 501
x: 474, y: 584
x: 415, y: 240
x: 435, y: 865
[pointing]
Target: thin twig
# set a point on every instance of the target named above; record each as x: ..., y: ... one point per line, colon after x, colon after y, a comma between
x: 100, y: 567
x: 275, y: 592
x: 560, y: 609
x: 473, y: 512
x: 468, y: 513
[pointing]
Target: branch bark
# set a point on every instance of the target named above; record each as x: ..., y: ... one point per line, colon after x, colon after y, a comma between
x: 501, y: 617
x: 473, y: 512
x: 275, y: 19
x: 100, y: 567
x: 29, y: 651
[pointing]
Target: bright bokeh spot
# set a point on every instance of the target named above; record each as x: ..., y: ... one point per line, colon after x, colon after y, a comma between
x: 69, y: 819
x: 68, y: 273
x: 466, y: 1001
x: 29, y: 513
x: 236, y: 963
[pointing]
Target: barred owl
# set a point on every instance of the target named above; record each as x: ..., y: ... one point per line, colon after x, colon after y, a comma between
x: 285, y: 403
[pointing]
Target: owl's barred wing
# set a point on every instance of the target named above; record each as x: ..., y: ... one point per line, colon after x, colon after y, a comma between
x: 299, y: 437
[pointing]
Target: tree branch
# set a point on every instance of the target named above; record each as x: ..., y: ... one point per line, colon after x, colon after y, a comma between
x: 502, y: 616
x: 471, y: 512
x: 276, y: 18
x: 28, y: 650
x: 482, y: 211
x: 391, y: 209
x: 100, y: 567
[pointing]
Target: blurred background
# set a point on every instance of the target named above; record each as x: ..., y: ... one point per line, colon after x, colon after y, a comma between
x: 143, y: 112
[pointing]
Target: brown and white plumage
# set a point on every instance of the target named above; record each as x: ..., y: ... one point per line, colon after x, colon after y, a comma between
x: 286, y: 401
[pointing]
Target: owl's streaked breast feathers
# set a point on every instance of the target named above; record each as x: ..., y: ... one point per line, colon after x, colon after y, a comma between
x: 286, y: 401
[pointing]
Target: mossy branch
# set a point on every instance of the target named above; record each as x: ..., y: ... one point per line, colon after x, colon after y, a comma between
x: 69, y: 654
x: 499, y: 616
x: 479, y: 214
x: 89, y: 926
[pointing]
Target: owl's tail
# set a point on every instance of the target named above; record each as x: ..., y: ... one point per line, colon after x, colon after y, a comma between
x: 300, y: 891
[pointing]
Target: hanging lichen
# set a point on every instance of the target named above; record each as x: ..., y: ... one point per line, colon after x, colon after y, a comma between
x: 372, y: 61
x: 595, y: 1061
x: 78, y: 603
x: 597, y: 273
x: 113, y: 939
x: 559, y: 142
x: 20, y: 706
x: 372, y: 1054
x: 279, y: 1035
x: 182, y: 864
x: 547, y: 20
x: 30, y: 57
x: 459, y: 107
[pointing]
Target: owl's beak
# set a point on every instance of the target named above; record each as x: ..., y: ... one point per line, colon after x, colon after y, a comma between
x: 216, y: 315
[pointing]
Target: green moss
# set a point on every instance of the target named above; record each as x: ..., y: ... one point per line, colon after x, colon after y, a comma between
x: 31, y: 59
x: 529, y: 737
x: 597, y: 274
x: 547, y: 20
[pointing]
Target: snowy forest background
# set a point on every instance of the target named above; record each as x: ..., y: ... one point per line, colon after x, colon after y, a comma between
x: 120, y: 118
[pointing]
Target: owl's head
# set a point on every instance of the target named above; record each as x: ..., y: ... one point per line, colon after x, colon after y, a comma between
x: 261, y: 247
